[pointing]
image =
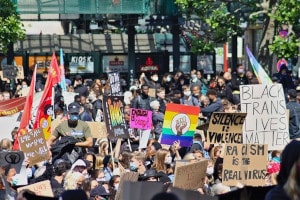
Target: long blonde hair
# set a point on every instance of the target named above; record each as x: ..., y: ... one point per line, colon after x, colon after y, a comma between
x: 292, y: 186
x: 159, y: 160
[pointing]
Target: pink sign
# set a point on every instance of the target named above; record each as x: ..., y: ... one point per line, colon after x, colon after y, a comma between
x: 141, y: 119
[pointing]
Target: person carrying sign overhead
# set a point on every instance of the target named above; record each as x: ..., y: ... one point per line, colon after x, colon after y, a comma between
x: 73, y: 127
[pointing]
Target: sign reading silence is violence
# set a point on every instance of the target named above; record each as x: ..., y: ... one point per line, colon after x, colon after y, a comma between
x: 226, y: 128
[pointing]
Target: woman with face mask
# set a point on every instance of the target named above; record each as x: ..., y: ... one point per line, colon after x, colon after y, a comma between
x: 153, y: 82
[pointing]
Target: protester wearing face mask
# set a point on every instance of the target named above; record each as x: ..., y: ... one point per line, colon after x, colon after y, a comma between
x: 167, y: 83
x: 74, y: 127
x: 137, y: 162
x: 238, y: 78
x: 194, y: 81
x: 187, y: 98
x: 153, y: 82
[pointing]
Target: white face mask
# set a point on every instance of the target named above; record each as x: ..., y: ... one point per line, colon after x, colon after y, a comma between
x: 209, y: 170
x: 116, y: 186
x: 169, y: 79
x: 168, y: 160
x: 155, y: 78
x: 187, y: 93
x: 240, y: 71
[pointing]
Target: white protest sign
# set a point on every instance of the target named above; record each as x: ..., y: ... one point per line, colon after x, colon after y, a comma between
x: 266, y: 121
x: 144, y: 138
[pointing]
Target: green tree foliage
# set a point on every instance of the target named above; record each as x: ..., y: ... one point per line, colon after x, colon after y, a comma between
x: 221, y: 17
x: 287, y: 12
x: 11, y: 28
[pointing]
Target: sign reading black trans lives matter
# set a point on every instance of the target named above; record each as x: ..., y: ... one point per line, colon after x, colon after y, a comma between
x: 266, y: 121
x: 226, y: 128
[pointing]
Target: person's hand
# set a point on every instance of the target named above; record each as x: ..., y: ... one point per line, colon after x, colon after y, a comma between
x: 176, y: 145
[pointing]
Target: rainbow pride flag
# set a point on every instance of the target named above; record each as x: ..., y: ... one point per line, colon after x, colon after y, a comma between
x: 180, y: 123
x: 258, y: 70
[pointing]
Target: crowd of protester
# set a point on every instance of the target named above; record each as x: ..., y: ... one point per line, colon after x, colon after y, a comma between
x: 97, y: 173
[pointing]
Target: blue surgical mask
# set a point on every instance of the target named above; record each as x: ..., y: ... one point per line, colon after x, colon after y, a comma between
x: 74, y: 117
x: 133, y: 167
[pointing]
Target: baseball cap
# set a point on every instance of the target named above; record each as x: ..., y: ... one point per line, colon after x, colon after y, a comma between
x: 78, y: 77
x: 99, y: 191
x: 73, y: 108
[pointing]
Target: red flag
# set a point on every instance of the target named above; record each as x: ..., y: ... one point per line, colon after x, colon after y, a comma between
x: 54, y: 70
x: 26, y: 116
x: 45, y: 109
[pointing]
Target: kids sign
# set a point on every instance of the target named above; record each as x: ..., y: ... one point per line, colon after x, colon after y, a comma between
x: 266, y: 121
x: 141, y: 119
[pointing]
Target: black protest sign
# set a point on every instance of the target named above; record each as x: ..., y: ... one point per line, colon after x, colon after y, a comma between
x: 266, y: 121
x: 245, y: 164
x: 113, y: 109
x: 114, y: 82
x: 34, y: 145
x: 225, y: 128
x: 9, y: 71
x: 141, y: 190
x: 191, y: 194
x: 12, y: 158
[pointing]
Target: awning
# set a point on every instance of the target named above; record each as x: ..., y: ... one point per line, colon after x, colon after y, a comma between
x: 12, y: 106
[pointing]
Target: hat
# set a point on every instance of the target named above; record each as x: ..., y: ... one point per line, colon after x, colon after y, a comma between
x: 149, y: 173
x: 73, y: 108
x: 78, y: 77
x: 99, y: 191
x: 292, y: 93
x: 78, y: 162
x: 211, y: 92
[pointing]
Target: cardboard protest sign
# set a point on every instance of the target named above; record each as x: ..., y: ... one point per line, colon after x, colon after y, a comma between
x: 114, y: 82
x: 34, y: 146
x: 42, y: 188
x: 225, y: 128
x: 141, y: 190
x: 190, y: 175
x: 266, y: 121
x: 98, y: 129
x: 20, y: 72
x: 245, y: 164
x: 144, y: 139
x: 113, y: 109
x: 124, y: 179
x: 179, y: 124
x: 12, y: 158
x: 140, y: 119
